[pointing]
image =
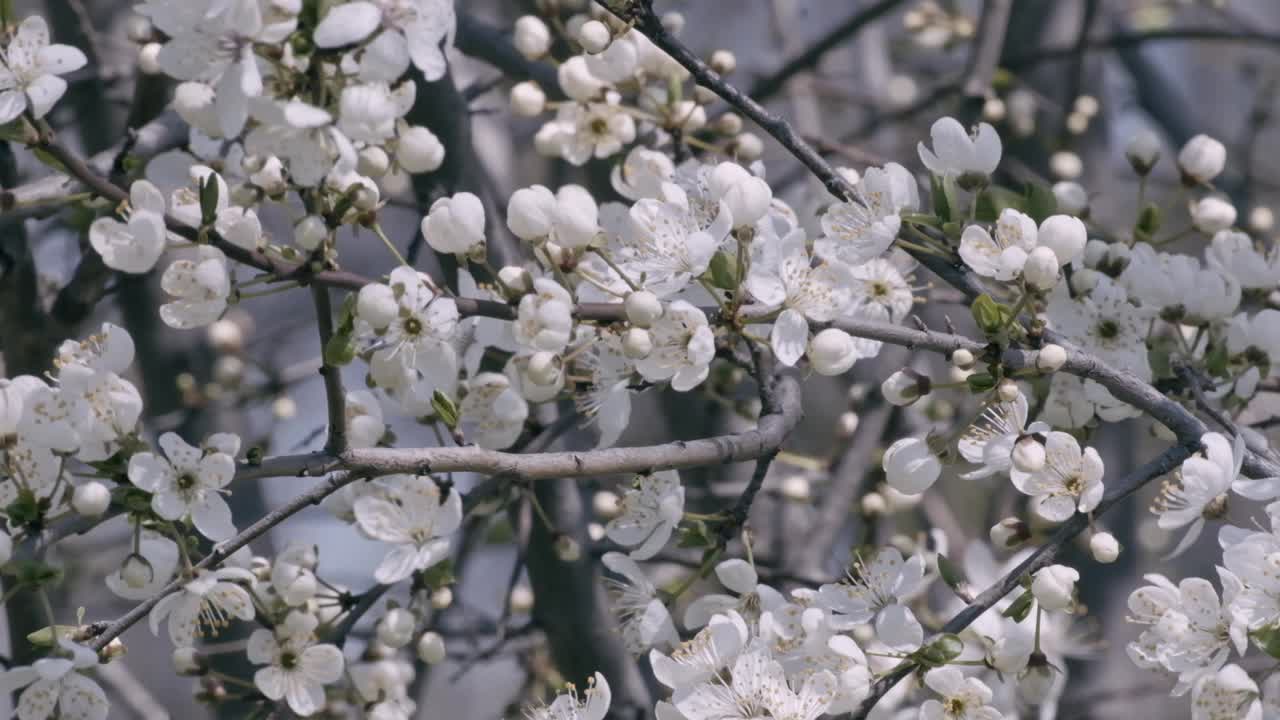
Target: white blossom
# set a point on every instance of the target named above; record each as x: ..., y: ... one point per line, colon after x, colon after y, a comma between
x: 53, y: 688
x: 297, y: 666
x: 187, y: 482
x: 204, y: 606
x: 29, y: 70
x: 414, y: 520
x: 650, y: 511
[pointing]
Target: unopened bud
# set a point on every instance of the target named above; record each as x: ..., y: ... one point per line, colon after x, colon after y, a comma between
x: 395, y: 629
x: 568, y: 549
x: 544, y: 368
x: 431, y: 648
x: 1051, y: 358
x: 1007, y: 390
x: 1104, y: 547
x: 1035, y: 683
x: 594, y: 36
x: 136, y: 572
x: 848, y: 423
x: 637, y: 343
x: 723, y: 62
x: 441, y: 598
x: 873, y: 503
x: 1010, y: 533
x: 642, y: 307
x: 795, y: 487
x: 904, y: 387
x: 962, y: 359
x: 729, y: 124
x: 91, y: 499
x: 516, y: 278
x: 373, y: 161
x: 748, y: 146
x: 527, y: 99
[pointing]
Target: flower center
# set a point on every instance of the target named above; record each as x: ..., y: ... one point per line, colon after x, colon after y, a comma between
x: 1216, y: 508
x: 954, y: 707
x: 1108, y: 329
x: 599, y: 126
x: 187, y: 481
x: 412, y: 326
x: 289, y: 660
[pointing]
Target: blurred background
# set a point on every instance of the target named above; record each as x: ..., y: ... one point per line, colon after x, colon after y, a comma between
x: 863, y: 81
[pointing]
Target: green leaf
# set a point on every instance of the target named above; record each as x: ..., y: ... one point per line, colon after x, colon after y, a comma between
x: 340, y: 350
x: 986, y: 209
x: 941, y: 198
x: 209, y: 199
x: 1148, y: 223
x: 694, y: 534
x: 1268, y: 640
x: 1217, y: 360
x: 940, y: 652
x: 1020, y: 608
x: 954, y: 577
x: 439, y: 575
x: 723, y: 271
x: 445, y: 409
x: 44, y: 636
x: 1040, y: 202
x: 980, y: 382
x: 989, y: 314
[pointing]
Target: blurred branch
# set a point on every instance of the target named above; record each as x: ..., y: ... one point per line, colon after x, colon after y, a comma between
x: 490, y: 44
x: 769, y: 85
x: 987, y: 46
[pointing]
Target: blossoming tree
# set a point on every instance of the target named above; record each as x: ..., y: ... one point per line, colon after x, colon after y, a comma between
x: 518, y: 347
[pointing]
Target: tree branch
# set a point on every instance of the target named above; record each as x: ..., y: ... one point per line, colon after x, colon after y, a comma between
x: 334, y: 396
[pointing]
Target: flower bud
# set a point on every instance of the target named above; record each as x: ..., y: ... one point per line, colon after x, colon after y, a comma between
x: 310, y: 232
x: 188, y: 661
x: 832, y: 352
x: 1143, y: 151
x: 395, y: 629
x: 1051, y: 358
x: 1055, y: 587
x: 532, y: 37
x: 1040, y: 269
x: 419, y: 150
x: 431, y: 648
x: 723, y: 62
x: 795, y: 487
x: 225, y: 336
x: 521, y: 599
x: 748, y: 147
x: 904, y: 387
x: 1008, y: 391
x: 363, y: 197
x: 1071, y: 198
x: 1028, y: 454
x: 594, y: 36
x: 1009, y: 533
x: 527, y: 99
x: 746, y: 196
x: 847, y: 425
x: 1066, y: 165
x: 962, y: 359
x: 441, y: 598
x: 606, y: 504
x: 149, y: 59
x: 376, y: 304
x: 567, y: 549
x: 1104, y: 547
x: 544, y: 368
x: 1095, y: 253
x: 136, y: 572
x: 643, y: 308
x: 1035, y: 683
x: 373, y: 161
x: 1201, y: 160
x: 673, y: 22
x: 1212, y: 214
x: 531, y: 212
x: 1262, y: 219
x: 728, y: 124
x: 873, y: 503
x: 193, y: 102
x: 516, y: 278
x: 910, y: 467
x: 91, y: 499
x: 1066, y: 236
x: 637, y: 343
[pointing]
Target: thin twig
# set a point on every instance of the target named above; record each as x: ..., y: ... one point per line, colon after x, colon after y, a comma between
x: 335, y: 397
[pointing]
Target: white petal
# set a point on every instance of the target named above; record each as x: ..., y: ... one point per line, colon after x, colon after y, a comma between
x: 738, y: 575
x: 347, y: 24
x: 789, y: 337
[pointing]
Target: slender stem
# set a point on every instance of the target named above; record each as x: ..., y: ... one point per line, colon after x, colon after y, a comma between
x: 334, y: 395
x: 377, y: 230
x: 604, y: 255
